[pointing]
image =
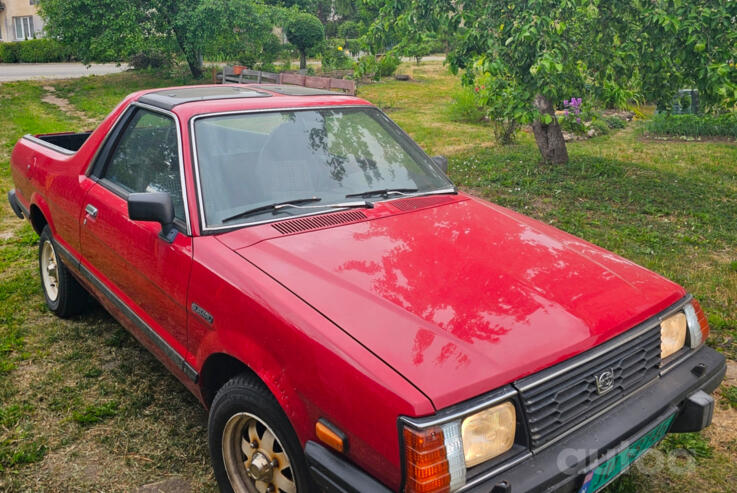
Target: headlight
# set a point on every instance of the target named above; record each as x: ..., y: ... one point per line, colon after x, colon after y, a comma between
x: 672, y: 334
x: 437, y: 456
x: 489, y: 433
x: 673, y: 330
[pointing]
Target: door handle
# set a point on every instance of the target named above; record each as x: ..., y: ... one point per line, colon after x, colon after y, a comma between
x: 91, y: 210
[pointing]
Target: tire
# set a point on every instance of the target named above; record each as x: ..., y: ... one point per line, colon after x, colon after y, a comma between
x: 64, y: 295
x: 245, y: 412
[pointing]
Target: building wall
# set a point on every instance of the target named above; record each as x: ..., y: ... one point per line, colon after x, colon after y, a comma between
x: 19, y: 8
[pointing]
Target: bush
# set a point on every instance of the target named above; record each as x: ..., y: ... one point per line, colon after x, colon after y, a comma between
x: 600, y: 126
x: 465, y: 107
x: 723, y: 125
x: 614, y: 121
x: 388, y: 64
x: 9, y: 52
x: 150, y: 59
x: 42, y: 50
x: 366, y: 68
x: 334, y: 58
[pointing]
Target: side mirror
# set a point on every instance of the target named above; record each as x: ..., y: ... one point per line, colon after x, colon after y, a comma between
x: 441, y: 162
x: 154, y: 206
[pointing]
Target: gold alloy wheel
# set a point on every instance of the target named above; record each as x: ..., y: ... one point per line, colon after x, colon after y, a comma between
x: 50, y: 271
x: 254, y: 457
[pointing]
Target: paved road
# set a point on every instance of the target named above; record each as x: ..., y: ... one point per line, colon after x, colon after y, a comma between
x: 26, y: 71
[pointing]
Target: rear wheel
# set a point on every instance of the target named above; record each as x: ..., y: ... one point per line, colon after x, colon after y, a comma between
x: 64, y: 296
x: 252, y: 444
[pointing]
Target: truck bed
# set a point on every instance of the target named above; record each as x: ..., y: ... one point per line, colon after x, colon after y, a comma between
x: 68, y: 142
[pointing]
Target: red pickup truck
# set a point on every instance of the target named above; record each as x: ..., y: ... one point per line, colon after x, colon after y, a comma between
x: 350, y: 319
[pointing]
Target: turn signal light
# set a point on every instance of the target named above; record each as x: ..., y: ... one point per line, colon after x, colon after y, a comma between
x: 426, y: 461
x: 698, y: 326
x: 331, y: 436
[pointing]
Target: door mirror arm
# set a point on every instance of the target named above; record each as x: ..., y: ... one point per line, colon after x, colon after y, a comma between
x: 156, y: 207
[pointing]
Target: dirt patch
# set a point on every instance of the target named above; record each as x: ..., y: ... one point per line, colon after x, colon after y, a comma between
x: 722, y: 433
x: 64, y: 105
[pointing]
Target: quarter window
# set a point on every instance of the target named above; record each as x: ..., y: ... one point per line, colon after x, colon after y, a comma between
x: 146, y: 158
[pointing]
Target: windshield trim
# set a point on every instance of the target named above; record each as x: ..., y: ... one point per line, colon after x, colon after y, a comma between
x: 206, y: 229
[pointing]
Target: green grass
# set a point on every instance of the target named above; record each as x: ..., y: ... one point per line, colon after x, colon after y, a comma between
x: 83, y: 405
x: 729, y: 392
x: 96, y: 413
x: 724, y: 125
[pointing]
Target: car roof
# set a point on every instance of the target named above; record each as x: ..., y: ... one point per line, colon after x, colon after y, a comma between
x: 205, y: 98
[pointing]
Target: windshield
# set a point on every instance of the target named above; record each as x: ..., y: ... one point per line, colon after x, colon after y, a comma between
x: 250, y: 160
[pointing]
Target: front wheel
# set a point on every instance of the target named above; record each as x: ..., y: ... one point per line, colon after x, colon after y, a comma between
x: 252, y: 444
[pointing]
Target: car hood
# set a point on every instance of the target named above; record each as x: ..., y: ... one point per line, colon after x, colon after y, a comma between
x: 466, y: 297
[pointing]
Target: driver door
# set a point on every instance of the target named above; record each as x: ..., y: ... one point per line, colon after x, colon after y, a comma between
x: 140, y: 274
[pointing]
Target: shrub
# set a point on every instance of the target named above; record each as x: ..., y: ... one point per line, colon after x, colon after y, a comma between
x: 614, y: 121
x: 465, y: 107
x: 150, y: 59
x: 723, y: 125
x: 333, y: 56
x: 600, y: 126
x: 354, y: 45
x: 388, y: 64
x: 366, y: 68
x: 42, y: 50
x: 9, y: 52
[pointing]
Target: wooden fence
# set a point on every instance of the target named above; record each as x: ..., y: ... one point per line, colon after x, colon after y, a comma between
x: 242, y: 75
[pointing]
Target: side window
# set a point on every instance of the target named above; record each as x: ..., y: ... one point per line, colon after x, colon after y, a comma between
x: 146, y: 158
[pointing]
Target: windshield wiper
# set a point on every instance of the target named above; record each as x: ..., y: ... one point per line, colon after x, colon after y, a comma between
x: 409, y: 192
x: 295, y: 204
x: 275, y: 206
x: 384, y: 192
x: 443, y: 191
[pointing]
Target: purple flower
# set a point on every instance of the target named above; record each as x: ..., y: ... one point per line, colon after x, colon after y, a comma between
x: 566, y: 112
x: 565, y: 102
x: 578, y: 120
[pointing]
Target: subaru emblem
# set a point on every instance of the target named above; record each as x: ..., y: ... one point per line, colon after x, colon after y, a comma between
x: 604, y: 381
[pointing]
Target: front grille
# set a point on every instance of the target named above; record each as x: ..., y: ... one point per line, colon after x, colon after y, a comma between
x: 565, y: 395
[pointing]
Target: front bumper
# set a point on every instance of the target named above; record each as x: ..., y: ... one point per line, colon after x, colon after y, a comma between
x: 562, y: 465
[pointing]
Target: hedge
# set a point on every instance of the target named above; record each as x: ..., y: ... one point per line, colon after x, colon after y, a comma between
x: 34, y: 51
x: 724, y: 125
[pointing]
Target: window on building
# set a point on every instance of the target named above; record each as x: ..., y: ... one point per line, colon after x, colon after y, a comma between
x: 23, y: 27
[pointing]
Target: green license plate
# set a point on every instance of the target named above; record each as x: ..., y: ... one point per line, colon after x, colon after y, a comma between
x: 605, y: 472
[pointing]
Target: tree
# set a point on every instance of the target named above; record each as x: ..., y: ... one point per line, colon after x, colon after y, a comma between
x: 115, y: 30
x: 109, y: 30
x: 305, y: 31
x: 544, y: 51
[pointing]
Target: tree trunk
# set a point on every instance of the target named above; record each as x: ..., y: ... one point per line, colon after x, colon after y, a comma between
x: 302, y: 60
x: 195, y: 66
x: 549, y: 137
x: 193, y: 57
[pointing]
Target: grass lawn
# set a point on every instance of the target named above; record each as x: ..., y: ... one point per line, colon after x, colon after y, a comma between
x: 84, y: 407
